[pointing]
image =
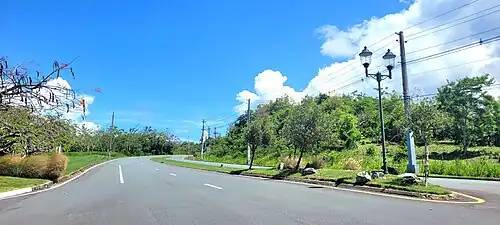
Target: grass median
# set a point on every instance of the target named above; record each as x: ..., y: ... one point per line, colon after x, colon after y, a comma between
x: 331, y: 175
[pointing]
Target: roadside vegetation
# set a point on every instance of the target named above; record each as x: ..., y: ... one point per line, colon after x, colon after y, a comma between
x: 39, y: 143
x: 459, y: 126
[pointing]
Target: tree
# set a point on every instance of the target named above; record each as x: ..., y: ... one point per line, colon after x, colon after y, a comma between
x: 257, y: 134
x: 426, y: 121
x: 472, y: 108
x: 26, y: 100
x: 303, y: 128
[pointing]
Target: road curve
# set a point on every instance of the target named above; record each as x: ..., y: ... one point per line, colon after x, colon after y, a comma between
x: 151, y: 193
x: 480, y: 188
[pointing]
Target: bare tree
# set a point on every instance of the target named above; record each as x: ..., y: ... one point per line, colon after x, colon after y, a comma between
x: 27, y: 95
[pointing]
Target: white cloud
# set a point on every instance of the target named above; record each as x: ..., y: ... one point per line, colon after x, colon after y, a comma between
x: 269, y: 85
x: 345, y: 76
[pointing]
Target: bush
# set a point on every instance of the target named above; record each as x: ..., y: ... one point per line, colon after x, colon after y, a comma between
x: 352, y: 164
x: 56, y: 166
x: 34, y: 166
x: 37, y: 166
x: 10, y: 165
x: 317, y: 162
x: 290, y: 162
x: 370, y: 151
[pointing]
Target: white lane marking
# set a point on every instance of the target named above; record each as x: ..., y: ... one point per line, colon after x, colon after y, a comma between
x: 121, y: 174
x: 173, y: 174
x: 213, y: 186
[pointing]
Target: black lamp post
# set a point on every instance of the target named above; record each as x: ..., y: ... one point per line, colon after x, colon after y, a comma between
x: 389, y: 58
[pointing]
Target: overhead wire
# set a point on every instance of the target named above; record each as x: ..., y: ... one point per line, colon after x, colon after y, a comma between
x: 454, y: 50
x: 493, y: 86
x: 442, y: 14
x: 455, y: 40
x: 450, y: 22
x: 450, y: 67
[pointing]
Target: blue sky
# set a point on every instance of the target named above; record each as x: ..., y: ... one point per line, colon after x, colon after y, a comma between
x: 170, y: 64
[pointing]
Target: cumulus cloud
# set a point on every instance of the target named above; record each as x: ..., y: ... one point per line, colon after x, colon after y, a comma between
x: 346, y: 75
x: 73, y: 114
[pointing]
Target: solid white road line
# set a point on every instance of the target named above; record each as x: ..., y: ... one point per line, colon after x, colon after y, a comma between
x: 121, y: 174
x: 213, y: 186
x: 173, y: 174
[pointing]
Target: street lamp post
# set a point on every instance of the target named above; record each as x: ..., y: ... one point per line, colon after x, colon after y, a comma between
x: 389, y: 58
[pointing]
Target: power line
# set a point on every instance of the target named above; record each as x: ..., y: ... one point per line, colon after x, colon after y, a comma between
x: 482, y: 89
x: 458, y: 39
x: 449, y: 67
x: 442, y: 14
x: 448, y: 27
x: 454, y: 50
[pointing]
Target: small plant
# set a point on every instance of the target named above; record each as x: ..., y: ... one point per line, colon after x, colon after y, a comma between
x: 289, y: 162
x: 317, y: 162
x: 370, y: 151
x: 352, y: 164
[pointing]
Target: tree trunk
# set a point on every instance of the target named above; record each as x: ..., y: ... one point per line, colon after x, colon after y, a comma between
x: 300, y: 159
x: 294, y: 152
x: 251, y: 158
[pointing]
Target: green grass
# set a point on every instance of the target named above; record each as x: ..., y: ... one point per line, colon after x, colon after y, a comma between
x: 12, y: 183
x: 79, y: 160
x: 340, y: 176
x: 393, y: 182
x: 448, y: 159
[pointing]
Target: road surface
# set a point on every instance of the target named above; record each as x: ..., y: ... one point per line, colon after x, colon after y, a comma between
x: 146, y: 192
x: 488, y: 189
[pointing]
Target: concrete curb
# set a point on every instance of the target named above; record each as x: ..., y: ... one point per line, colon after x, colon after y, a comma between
x: 49, y: 185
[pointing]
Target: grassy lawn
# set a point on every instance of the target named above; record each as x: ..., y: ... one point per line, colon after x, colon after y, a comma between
x: 12, y: 183
x: 77, y: 161
x: 342, y: 176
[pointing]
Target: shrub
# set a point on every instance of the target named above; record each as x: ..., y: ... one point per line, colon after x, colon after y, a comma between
x: 370, y: 151
x: 317, y: 162
x: 10, y: 165
x: 34, y: 166
x: 352, y: 164
x: 290, y: 162
x: 56, y: 166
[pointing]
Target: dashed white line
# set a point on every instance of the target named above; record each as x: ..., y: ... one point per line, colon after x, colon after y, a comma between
x: 213, y: 186
x: 121, y: 174
x: 173, y: 174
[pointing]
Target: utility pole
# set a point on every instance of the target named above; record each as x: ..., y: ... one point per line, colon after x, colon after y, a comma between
x: 111, y: 133
x: 248, y: 123
x: 412, y: 166
x: 215, y: 132
x: 202, y: 138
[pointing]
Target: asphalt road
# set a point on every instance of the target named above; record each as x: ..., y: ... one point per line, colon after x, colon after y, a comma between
x: 153, y: 193
x: 489, y: 189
